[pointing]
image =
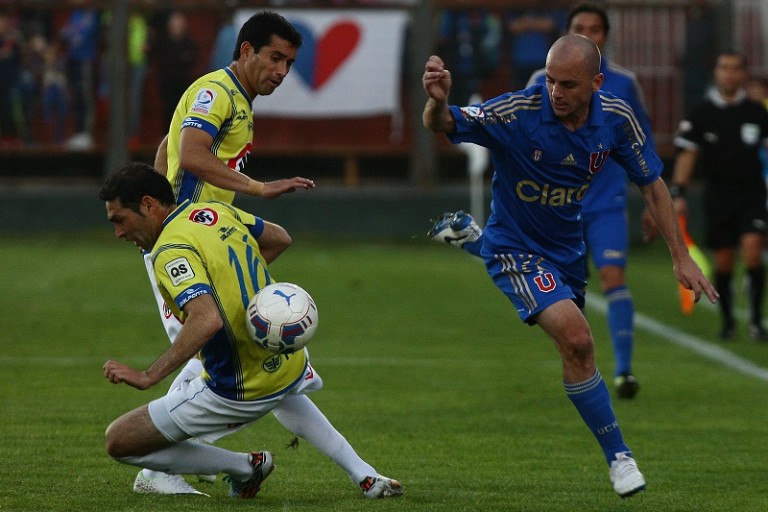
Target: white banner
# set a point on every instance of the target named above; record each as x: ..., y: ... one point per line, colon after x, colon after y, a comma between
x: 350, y: 64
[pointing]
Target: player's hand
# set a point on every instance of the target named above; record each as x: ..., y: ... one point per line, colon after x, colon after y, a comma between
x: 690, y: 275
x: 436, y: 79
x: 273, y: 189
x: 118, y: 373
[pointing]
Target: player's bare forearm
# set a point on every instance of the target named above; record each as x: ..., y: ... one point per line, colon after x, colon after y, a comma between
x: 661, y: 209
x: 686, y: 270
x: 161, y: 157
x: 437, y: 84
x: 202, y: 323
x: 437, y: 118
x: 273, y: 189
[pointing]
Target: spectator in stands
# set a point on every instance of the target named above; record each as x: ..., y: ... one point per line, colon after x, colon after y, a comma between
x: 30, y: 83
x: 177, y: 55
x: 701, y: 39
x: 55, y: 100
x: 530, y: 33
x: 469, y: 39
x: 226, y: 38
x: 10, y: 67
x: 138, y: 49
x: 81, y: 37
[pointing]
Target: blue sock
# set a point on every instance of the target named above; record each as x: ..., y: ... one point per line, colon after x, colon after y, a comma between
x: 593, y: 401
x: 621, y: 312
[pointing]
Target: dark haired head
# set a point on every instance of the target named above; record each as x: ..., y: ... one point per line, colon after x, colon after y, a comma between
x: 591, y: 8
x: 260, y: 28
x: 728, y: 52
x: 134, y: 181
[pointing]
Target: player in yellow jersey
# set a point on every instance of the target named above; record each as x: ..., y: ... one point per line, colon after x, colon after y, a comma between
x: 207, y: 263
x: 206, y: 151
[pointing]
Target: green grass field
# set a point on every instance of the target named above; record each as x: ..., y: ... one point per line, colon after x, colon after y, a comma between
x: 428, y: 372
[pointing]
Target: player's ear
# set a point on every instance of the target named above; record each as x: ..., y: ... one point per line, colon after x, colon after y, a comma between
x: 597, y: 82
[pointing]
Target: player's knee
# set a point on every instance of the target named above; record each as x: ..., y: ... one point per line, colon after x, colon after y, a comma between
x: 579, y: 349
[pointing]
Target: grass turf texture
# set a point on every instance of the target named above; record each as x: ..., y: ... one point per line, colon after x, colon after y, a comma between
x: 428, y: 372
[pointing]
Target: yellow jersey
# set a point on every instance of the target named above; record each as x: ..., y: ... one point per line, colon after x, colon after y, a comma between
x: 217, y: 104
x: 211, y: 248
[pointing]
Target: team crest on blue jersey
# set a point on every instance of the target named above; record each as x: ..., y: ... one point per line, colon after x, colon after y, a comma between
x: 596, y: 160
x: 204, y: 101
x: 545, y: 282
x: 537, y: 154
x: 204, y: 216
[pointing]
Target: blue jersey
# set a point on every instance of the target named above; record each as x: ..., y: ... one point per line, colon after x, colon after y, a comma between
x: 606, y: 193
x: 542, y: 171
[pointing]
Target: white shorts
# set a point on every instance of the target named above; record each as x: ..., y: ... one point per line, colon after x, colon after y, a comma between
x: 193, y: 410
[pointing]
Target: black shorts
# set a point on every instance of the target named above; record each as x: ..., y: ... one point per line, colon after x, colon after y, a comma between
x: 729, y: 216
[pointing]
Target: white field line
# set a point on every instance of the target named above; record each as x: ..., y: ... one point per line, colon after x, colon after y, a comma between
x: 685, y: 340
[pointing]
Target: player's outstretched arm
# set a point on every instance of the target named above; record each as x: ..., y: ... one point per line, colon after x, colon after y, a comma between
x: 437, y: 85
x: 202, y: 322
x: 687, y: 272
x: 273, y: 189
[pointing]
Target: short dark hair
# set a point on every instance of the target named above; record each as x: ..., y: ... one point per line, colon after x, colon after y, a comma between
x: 590, y: 8
x: 134, y: 181
x: 260, y: 28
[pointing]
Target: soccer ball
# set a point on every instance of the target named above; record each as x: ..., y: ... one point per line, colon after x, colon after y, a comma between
x: 282, y: 318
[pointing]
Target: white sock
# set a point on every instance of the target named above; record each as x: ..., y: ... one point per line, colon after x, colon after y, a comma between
x: 189, y: 457
x: 301, y: 416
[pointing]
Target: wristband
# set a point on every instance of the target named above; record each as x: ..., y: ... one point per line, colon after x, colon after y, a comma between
x: 676, y: 190
x: 255, y: 188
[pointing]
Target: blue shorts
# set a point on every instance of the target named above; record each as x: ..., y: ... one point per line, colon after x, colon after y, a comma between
x: 532, y: 283
x: 606, y: 234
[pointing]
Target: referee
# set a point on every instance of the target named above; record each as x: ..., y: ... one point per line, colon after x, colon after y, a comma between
x: 721, y: 139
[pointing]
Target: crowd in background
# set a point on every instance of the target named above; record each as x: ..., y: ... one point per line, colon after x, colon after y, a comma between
x: 54, y: 83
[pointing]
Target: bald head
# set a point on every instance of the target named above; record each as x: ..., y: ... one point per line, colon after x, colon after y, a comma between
x: 577, y: 50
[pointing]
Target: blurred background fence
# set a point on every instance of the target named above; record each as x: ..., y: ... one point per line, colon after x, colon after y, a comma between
x: 87, y: 85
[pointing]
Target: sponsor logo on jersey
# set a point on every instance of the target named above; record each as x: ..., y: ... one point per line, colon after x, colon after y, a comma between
x: 203, y: 101
x: 532, y: 192
x: 569, y: 160
x: 205, y: 216
x: 179, y: 270
x: 239, y: 162
x: 166, y: 311
x: 473, y: 112
x: 272, y: 364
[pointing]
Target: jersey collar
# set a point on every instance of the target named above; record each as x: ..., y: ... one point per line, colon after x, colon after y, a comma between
x: 175, y: 213
x: 720, y: 102
x: 238, y: 84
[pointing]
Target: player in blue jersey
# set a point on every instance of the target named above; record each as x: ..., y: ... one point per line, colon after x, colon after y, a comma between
x: 606, y: 228
x: 606, y: 225
x: 547, y: 142
x: 207, y: 262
